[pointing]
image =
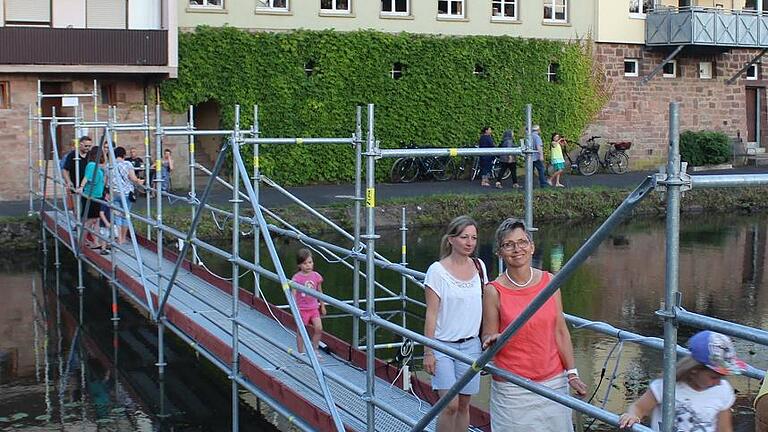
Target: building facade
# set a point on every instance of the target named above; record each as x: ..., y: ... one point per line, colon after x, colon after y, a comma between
x: 126, y: 47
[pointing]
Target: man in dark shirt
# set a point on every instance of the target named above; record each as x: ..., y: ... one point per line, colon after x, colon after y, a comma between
x: 69, y: 173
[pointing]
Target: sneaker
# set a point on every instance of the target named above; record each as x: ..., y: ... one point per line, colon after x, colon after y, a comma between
x: 498, y: 185
x: 104, y: 252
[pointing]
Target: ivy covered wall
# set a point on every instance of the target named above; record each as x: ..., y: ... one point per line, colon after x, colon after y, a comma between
x: 450, y: 87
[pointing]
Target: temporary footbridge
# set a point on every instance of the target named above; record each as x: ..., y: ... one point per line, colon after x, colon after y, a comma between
x: 252, y: 341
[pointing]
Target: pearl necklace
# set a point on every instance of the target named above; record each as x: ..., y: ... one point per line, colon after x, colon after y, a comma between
x: 517, y: 284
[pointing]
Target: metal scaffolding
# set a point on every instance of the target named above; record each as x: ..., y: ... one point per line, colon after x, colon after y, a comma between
x: 672, y: 181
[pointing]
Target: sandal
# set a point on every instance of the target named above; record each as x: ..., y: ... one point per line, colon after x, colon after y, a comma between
x: 485, y: 184
x: 498, y: 185
x: 516, y: 186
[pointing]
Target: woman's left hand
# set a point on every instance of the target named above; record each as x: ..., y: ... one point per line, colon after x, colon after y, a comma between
x: 577, y: 385
x: 322, y: 310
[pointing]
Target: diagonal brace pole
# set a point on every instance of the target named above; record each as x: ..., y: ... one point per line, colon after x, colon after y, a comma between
x: 314, y: 362
x: 660, y: 66
x: 193, y: 226
x: 621, y: 213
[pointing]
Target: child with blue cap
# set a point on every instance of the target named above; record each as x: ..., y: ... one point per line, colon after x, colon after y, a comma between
x: 703, y: 397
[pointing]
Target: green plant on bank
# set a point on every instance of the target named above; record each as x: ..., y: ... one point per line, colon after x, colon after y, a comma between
x: 704, y: 148
x: 308, y: 83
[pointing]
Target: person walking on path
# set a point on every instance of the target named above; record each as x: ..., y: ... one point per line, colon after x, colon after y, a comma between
x: 486, y: 162
x: 507, y: 162
x: 557, y: 159
x: 165, y: 173
x: 92, y: 186
x: 703, y: 397
x: 538, y: 157
x: 310, y: 308
x: 540, y: 351
x: 453, y: 291
x: 68, y: 167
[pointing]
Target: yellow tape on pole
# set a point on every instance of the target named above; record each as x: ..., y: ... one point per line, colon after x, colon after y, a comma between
x: 453, y: 152
x: 192, y: 147
x: 146, y: 141
x: 299, y: 141
x: 286, y: 287
x: 158, y: 166
x: 370, y: 197
x: 403, y: 252
x: 255, y: 161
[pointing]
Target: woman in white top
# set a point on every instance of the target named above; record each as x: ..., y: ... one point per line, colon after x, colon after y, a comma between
x: 454, y: 311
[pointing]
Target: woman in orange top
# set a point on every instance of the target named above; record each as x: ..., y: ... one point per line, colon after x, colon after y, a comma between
x: 541, y: 350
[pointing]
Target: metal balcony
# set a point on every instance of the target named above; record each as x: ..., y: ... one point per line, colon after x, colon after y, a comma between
x: 706, y: 27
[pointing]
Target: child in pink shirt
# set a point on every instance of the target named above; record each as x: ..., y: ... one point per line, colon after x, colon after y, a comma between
x: 309, y: 307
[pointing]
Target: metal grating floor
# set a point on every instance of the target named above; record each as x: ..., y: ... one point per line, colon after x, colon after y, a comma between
x: 267, y: 344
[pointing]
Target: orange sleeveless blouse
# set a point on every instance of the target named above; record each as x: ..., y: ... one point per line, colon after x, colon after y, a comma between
x: 531, y: 352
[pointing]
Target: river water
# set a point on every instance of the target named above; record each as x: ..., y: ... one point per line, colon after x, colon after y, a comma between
x: 56, y: 377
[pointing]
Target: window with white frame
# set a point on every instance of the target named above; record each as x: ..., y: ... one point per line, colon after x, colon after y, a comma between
x: 335, y: 6
x: 631, y: 67
x: 397, y: 71
x: 670, y: 69
x: 395, y: 7
x: 504, y: 9
x: 553, y: 72
x: 5, y: 94
x: 556, y: 10
x: 705, y: 70
x: 213, y: 4
x: 450, y: 8
x: 641, y: 7
x: 753, y: 72
x: 276, y: 5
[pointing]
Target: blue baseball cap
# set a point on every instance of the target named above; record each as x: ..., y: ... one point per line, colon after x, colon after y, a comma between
x: 716, y: 351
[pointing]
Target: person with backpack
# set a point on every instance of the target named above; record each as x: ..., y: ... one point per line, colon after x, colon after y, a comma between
x: 453, y: 288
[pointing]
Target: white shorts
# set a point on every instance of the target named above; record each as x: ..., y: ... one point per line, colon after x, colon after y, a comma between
x: 448, y: 370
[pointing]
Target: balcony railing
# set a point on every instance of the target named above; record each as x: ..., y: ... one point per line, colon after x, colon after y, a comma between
x: 707, y: 27
x: 63, y: 46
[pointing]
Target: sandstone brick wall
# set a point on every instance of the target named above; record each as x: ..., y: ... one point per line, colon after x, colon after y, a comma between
x: 130, y: 93
x: 639, y: 113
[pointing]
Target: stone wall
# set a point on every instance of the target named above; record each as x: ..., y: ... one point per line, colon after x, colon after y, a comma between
x: 129, y: 94
x: 639, y: 112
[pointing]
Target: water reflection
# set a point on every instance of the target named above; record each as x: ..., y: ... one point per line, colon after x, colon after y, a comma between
x: 65, y: 366
x: 722, y: 274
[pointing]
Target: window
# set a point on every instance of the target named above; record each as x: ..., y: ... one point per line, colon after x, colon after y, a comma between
x: 753, y: 72
x: 556, y: 10
x: 310, y: 68
x: 641, y: 7
x: 504, y: 10
x: 394, y: 7
x: 670, y: 69
x: 450, y: 8
x: 335, y: 6
x: 553, y: 72
x: 397, y: 71
x: 214, y: 4
x: 28, y: 12
x: 705, y: 70
x: 108, y: 94
x: 5, y: 95
x: 280, y: 5
x: 479, y: 71
x: 631, y: 67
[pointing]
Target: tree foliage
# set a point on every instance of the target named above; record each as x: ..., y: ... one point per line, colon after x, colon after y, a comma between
x: 704, y: 148
x: 449, y: 89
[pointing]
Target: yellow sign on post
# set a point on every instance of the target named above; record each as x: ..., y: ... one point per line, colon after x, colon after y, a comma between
x: 453, y: 152
x: 370, y: 197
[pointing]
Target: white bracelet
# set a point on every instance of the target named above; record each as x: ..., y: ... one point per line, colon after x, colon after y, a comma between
x: 573, y: 371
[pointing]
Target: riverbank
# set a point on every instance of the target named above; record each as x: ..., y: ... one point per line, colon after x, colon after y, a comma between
x: 578, y: 204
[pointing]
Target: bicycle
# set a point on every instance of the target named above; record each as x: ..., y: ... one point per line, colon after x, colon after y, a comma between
x: 614, y: 160
x: 472, y: 165
x: 408, y: 169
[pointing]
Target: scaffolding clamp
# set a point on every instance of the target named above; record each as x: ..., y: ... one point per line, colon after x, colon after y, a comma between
x: 663, y: 180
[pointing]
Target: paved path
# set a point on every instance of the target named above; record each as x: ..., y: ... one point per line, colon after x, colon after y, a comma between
x: 326, y: 194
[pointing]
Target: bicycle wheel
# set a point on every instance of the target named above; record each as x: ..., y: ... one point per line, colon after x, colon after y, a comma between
x: 405, y: 170
x: 497, y: 164
x: 588, y: 163
x: 475, y: 169
x: 444, y: 168
x: 618, y: 162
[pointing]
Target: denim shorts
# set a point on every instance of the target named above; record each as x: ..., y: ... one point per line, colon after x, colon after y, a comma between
x: 448, y: 370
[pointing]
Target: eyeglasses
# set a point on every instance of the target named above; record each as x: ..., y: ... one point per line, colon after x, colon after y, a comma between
x: 519, y: 244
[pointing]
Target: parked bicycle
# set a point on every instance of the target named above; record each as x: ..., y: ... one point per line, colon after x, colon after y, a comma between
x: 615, y: 159
x: 471, y: 165
x: 408, y: 169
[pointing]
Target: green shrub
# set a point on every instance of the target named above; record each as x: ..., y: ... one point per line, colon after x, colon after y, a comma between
x: 439, y: 101
x: 704, y: 148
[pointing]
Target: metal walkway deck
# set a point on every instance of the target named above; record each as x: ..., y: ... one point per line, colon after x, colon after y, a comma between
x: 265, y: 344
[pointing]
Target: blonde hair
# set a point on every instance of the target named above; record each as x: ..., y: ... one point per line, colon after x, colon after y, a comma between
x: 454, y: 229
x: 685, y: 367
